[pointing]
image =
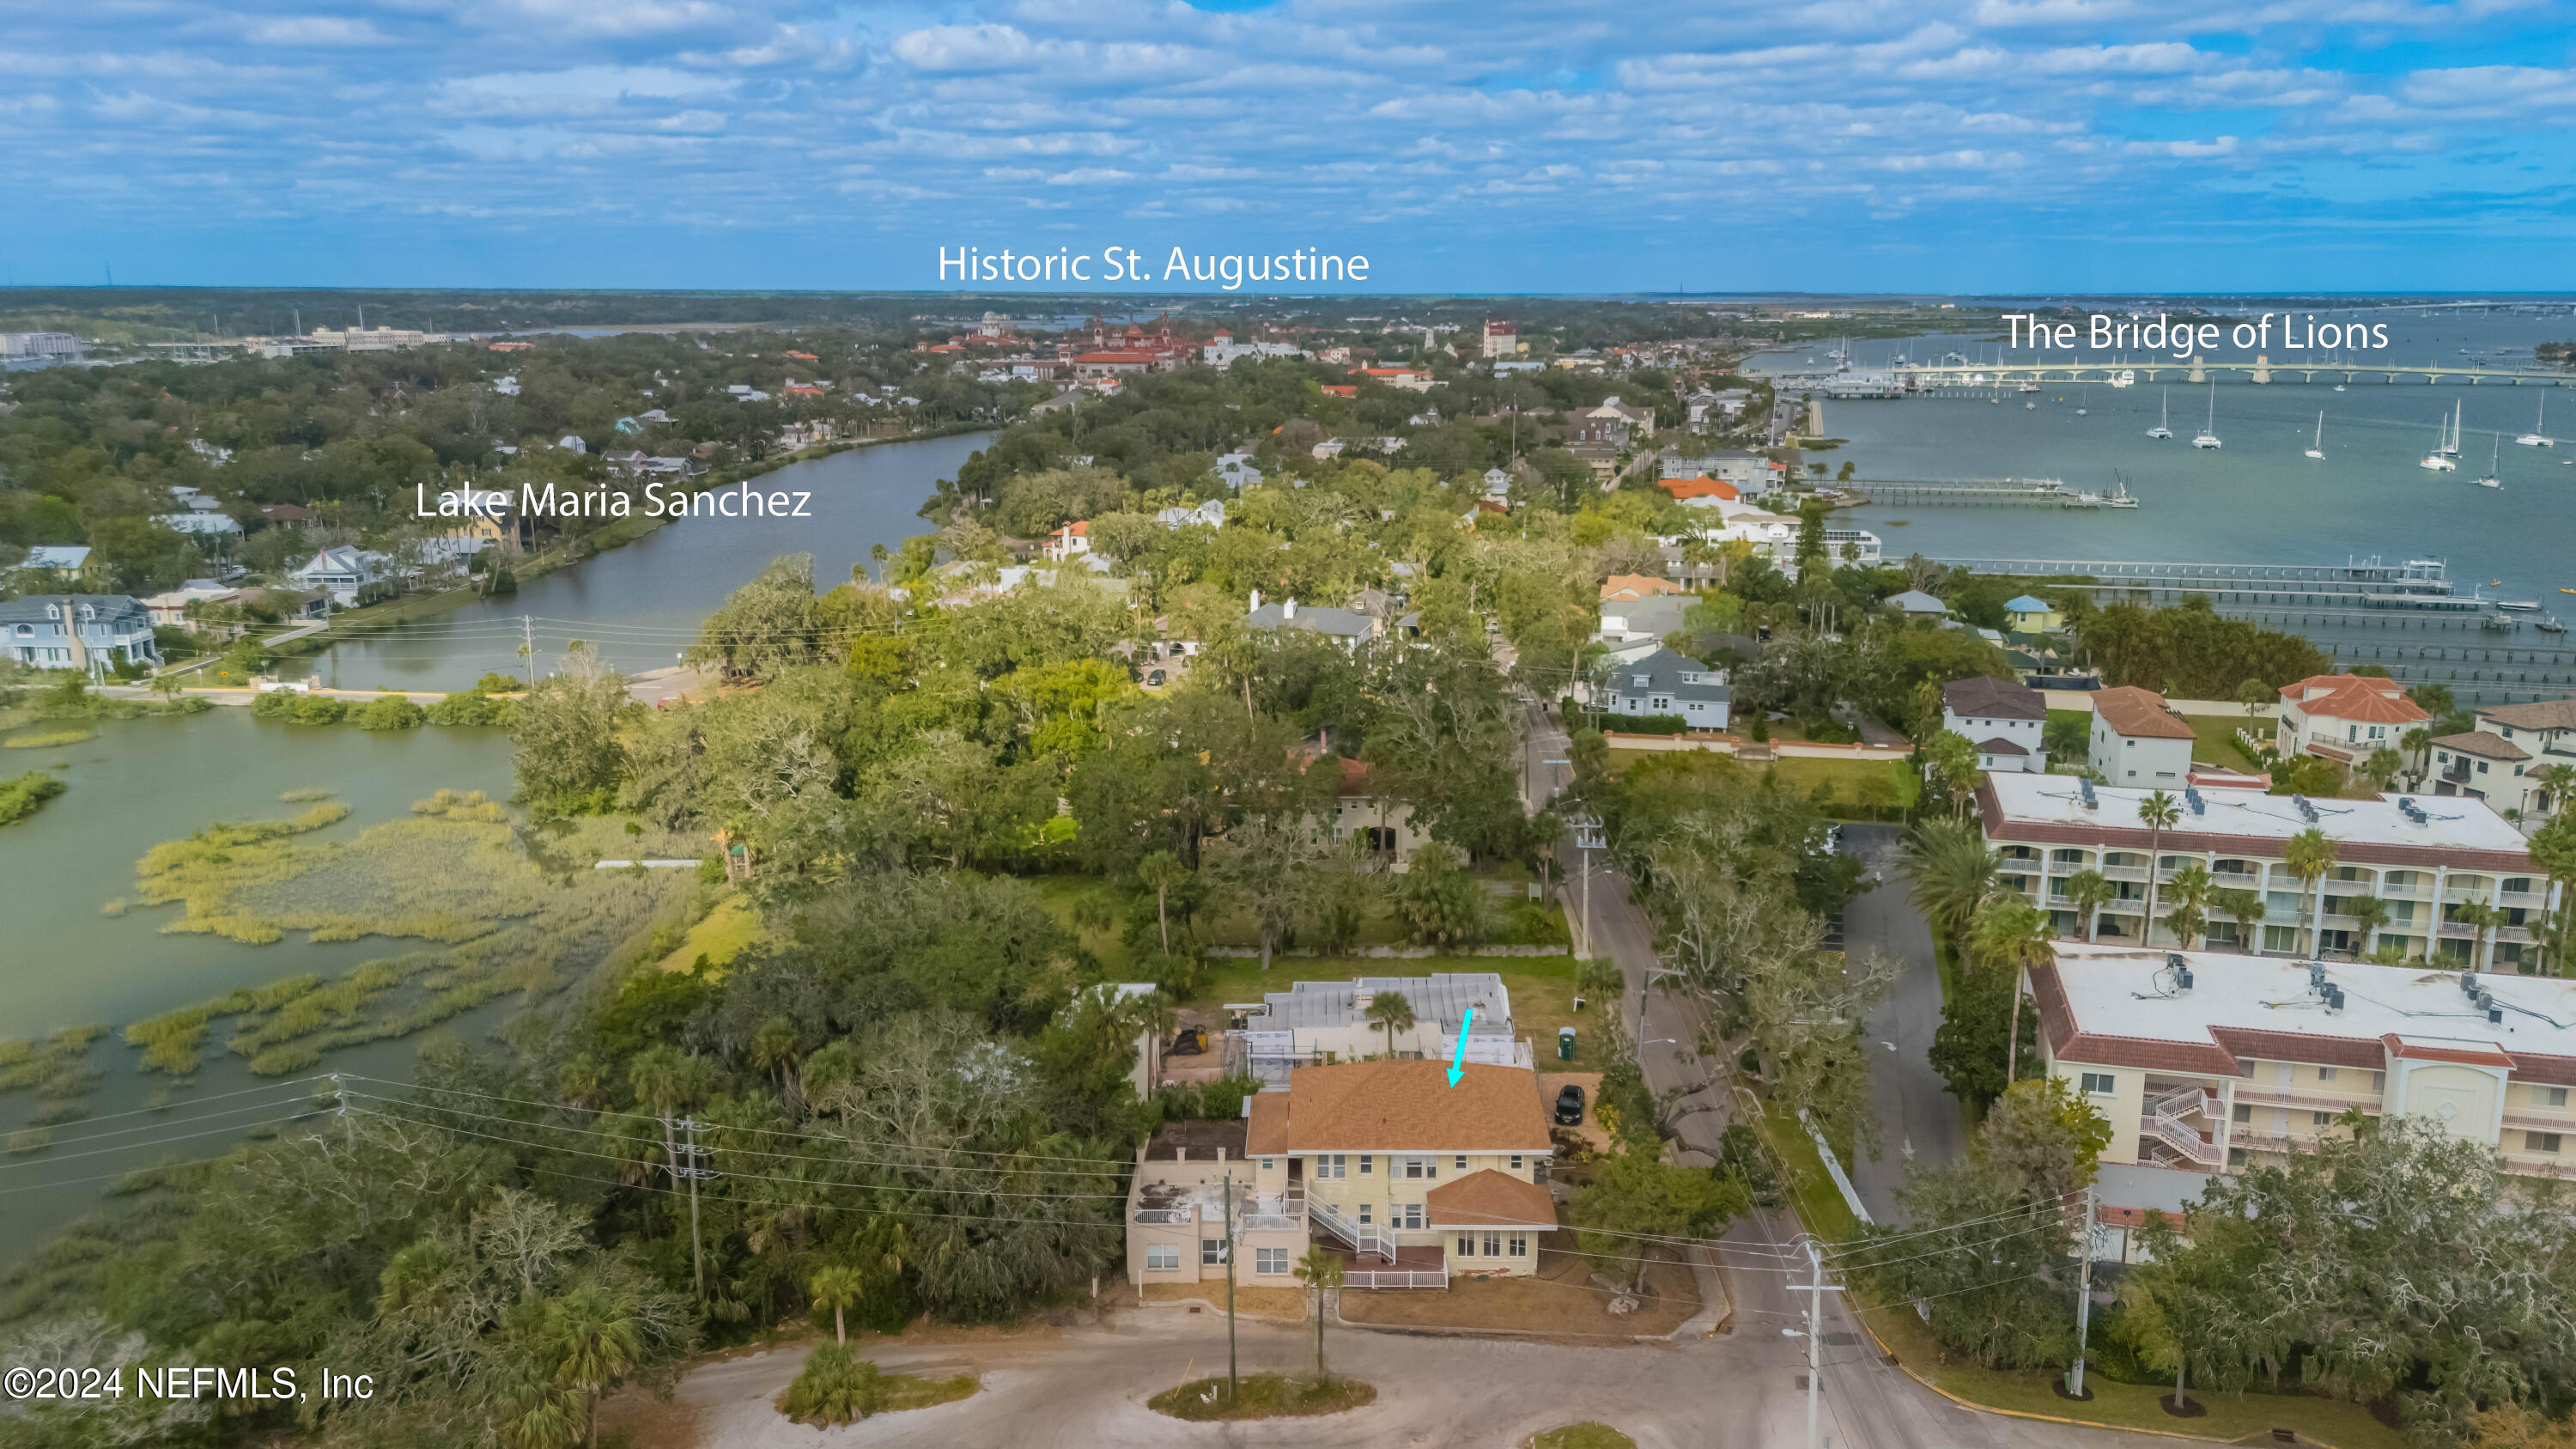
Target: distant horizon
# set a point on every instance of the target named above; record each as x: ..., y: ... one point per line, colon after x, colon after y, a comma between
x: 1247, y: 297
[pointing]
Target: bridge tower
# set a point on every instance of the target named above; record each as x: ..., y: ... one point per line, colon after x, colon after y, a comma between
x: 2198, y: 373
x: 2262, y: 368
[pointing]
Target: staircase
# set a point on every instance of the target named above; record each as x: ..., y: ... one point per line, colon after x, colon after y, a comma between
x: 2163, y: 1121
x: 1361, y: 1238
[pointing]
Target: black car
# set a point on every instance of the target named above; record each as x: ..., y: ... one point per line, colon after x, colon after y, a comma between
x: 1569, y: 1106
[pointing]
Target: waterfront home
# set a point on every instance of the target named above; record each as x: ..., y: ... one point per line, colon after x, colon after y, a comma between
x: 2026, y: 614
x: 341, y: 572
x: 2002, y: 719
x: 1069, y: 540
x: 2212, y: 1063
x: 87, y: 632
x: 2546, y: 731
x: 2137, y: 741
x: 2482, y: 766
x: 170, y: 609
x: 2422, y: 858
x: 2344, y: 717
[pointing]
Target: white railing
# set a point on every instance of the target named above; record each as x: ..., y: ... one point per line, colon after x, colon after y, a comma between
x: 2181, y: 1100
x: 1361, y: 1238
x: 2183, y: 1140
x: 1267, y: 1214
x: 1396, y: 1278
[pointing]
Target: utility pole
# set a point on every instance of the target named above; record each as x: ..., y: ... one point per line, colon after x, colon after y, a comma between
x: 697, y: 1251
x: 1230, y: 1385
x: 528, y: 649
x: 1815, y: 1338
x: 2084, y: 1295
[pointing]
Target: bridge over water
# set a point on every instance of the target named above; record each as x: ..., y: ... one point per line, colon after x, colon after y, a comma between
x: 1928, y: 377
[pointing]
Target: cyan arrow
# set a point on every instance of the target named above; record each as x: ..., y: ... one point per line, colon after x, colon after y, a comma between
x: 1457, y: 1062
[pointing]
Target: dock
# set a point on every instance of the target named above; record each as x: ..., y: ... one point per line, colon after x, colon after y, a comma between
x: 1976, y: 492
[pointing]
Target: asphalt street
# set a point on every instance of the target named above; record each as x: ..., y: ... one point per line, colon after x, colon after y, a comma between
x: 1918, y: 1118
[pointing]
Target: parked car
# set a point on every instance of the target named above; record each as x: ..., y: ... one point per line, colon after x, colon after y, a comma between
x: 1569, y: 1106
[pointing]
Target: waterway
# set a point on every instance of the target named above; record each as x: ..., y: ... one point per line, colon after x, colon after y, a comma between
x: 640, y: 605
x: 65, y: 962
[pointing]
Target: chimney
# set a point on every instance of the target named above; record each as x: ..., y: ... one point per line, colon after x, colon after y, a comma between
x: 1256, y: 601
x: 1288, y: 610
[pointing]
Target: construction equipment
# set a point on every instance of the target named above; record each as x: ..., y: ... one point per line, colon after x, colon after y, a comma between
x: 1191, y: 1042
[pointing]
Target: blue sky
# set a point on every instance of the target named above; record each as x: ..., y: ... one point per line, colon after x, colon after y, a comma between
x: 1943, y: 145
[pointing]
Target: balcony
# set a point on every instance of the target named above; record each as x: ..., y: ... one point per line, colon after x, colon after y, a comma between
x: 2133, y: 873
x: 2228, y: 880
x: 2125, y: 906
x: 2522, y: 900
x: 2248, y: 1095
x: 2411, y: 891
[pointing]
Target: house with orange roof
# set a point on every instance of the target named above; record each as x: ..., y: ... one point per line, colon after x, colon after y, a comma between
x: 2343, y: 717
x: 1702, y: 492
x: 1411, y: 1181
x: 1621, y: 588
x: 1069, y: 540
x: 2137, y: 741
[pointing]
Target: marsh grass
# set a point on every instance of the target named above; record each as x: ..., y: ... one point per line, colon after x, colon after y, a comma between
x: 503, y: 914
x: 306, y: 796
x: 48, y: 740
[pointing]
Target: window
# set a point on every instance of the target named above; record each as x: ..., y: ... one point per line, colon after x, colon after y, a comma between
x: 2244, y: 1112
x: 2101, y: 1084
x: 1162, y: 1257
x: 1412, y: 1215
x: 1493, y: 1245
x: 1265, y: 1164
x: 1462, y: 1162
x: 1467, y: 1245
x: 2540, y: 1142
x: 1334, y: 1166
x: 1211, y: 1251
x: 2549, y: 1096
x: 1367, y: 1164
x: 1270, y: 1260
x: 2321, y: 1119
x: 1520, y: 1246
x: 1368, y: 1212
x: 1516, y: 1162
x: 2325, y: 1074
x: 2379, y: 1081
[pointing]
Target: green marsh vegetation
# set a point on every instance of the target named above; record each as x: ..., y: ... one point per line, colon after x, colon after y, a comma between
x: 26, y: 794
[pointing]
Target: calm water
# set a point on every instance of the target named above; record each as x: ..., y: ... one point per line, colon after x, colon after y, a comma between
x: 63, y: 963
x: 2257, y: 499
x: 641, y: 604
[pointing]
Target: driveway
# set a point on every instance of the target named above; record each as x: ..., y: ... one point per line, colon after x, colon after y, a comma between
x: 1917, y: 1117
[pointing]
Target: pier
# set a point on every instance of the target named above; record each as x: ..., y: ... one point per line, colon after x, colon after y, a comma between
x: 1975, y: 492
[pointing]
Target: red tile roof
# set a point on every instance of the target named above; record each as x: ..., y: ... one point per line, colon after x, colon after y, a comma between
x: 1701, y: 487
x: 2138, y: 714
x: 2363, y: 697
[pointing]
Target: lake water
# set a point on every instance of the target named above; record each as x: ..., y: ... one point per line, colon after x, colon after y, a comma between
x: 63, y: 963
x: 642, y: 604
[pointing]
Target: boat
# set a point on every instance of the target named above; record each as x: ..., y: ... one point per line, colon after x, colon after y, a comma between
x: 2030, y: 407
x: 2548, y: 624
x: 2164, y: 424
x: 2519, y: 606
x: 2439, y: 460
x: 2081, y: 394
x: 2119, y: 497
x: 2536, y: 438
x: 2029, y: 386
x: 2317, y: 449
x: 2208, y: 431
x: 2490, y: 480
x: 2338, y: 387
x: 2125, y: 377
x: 2452, y: 448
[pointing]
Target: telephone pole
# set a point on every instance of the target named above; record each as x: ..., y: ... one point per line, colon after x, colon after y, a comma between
x: 2084, y: 1295
x: 697, y: 1250
x: 1231, y: 1389
x: 1815, y: 1339
x: 528, y: 648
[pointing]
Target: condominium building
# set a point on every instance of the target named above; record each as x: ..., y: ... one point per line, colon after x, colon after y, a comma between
x: 1409, y: 1180
x: 2206, y: 1062
x: 2426, y: 858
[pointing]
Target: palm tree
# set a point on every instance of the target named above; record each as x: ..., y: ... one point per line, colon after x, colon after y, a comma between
x: 2558, y: 781
x: 2480, y: 918
x: 2310, y: 857
x: 1321, y: 1271
x: 2553, y: 849
x: 774, y: 1049
x: 595, y: 1340
x: 2088, y: 891
x: 2381, y: 768
x: 2418, y: 743
x: 2372, y: 913
x: 839, y: 1287
x: 1391, y: 1010
x: 2245, y: 908
x: 1160, y: 872
x: 2190, y: 895
x: 1952, y: 873
x: 2012, y: 933
x: 2159, y: 812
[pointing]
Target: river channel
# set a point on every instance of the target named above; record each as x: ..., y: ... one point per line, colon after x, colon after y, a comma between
x: 65, y: 961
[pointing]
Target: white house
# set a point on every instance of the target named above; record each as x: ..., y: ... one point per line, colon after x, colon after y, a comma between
x: 341, y: 572
x: 1669, y: 683
x: 2137, y: 741
x: 2345, y: 716
x: 2003, y: 719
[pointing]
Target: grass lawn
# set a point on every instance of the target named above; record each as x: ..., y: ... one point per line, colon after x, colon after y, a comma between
x: 1559, y: 1298
x: 719, y: 936
x: 1287, y: 1305
x: 1848, y: 778
x: 1542, y: 987
x: 2216, y: 740
x: 1820, y: 1204
x: 2230, y: 1416
x: 1585, y: 1435
x: 913, y: 1391
x: 1261, y: 1396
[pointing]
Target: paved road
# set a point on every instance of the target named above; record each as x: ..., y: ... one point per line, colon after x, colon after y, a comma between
x: 1917, y: 1116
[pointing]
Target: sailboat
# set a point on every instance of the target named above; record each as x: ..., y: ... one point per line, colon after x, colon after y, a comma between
x: 2317, y: 449
x: 2081, y: 394
x: 2208, y: 436
x: 2490, y: 480
x: 2536, y: 438
x: 2453, y: 447
x: 2439, y: 460
x: 2164, y: 424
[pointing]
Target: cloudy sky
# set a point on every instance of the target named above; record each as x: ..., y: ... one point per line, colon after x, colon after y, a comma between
x: 2001, y: 145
